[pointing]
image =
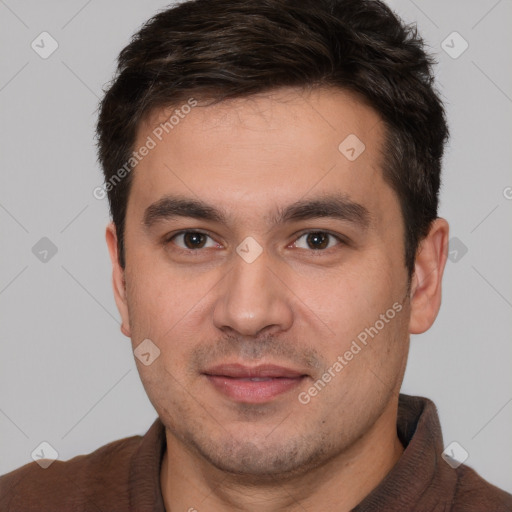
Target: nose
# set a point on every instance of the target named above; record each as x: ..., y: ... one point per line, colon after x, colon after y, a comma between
x: 253, y: 299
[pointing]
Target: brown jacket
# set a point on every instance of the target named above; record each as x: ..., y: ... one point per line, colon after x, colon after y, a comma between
x: 124, y: 476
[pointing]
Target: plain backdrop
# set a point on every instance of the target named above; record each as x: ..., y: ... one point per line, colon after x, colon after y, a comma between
x: 67, y: 374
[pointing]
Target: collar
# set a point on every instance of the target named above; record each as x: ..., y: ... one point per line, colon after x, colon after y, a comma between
x: 420, y: 476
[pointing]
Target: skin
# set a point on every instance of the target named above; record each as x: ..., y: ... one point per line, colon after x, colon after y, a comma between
x: 295, y: 305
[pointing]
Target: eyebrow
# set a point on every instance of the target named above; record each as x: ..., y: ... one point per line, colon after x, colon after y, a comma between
x: 330, y: 206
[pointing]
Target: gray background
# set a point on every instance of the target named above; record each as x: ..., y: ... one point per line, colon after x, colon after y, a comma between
x: 67, y: 374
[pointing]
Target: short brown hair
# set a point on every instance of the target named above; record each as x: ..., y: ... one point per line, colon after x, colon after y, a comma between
x: 222, y: 49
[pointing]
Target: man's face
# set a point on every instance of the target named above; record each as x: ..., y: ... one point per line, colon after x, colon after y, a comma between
x: 255, y: 305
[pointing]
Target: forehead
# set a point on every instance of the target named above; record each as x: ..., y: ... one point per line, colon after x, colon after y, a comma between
x: 263, y: 150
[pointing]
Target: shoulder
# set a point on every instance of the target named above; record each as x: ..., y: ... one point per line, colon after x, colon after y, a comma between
x: 85, y: 482
x: 474, y: 494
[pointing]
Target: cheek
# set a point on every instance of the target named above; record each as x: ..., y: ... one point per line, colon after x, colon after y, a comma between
x: 162, y: 298
x: 353, y: 297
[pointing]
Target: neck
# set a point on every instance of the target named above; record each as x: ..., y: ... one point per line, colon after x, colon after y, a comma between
x: 190, y: 483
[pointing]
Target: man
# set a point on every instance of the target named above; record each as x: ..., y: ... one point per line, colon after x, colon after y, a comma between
x: 273, y: 171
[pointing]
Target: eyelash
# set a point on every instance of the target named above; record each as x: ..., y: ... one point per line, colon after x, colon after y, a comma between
x: 339, y: 239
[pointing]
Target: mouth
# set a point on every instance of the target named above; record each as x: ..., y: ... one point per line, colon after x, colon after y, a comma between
x: 256, y: 384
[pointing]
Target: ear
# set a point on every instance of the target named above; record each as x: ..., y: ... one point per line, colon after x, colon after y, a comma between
x: 428, y: 274
x: 118, y: 281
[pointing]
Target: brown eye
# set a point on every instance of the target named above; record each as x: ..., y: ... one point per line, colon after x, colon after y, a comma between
x: 192, y: 240
x: 317, y: 240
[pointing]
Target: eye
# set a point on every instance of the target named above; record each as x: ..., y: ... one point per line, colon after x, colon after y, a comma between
x: 316, y: 240
x: 312, y: 240
x: 192, y: 240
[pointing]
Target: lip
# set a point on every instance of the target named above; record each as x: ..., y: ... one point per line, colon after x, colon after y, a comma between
x: 255, y: 384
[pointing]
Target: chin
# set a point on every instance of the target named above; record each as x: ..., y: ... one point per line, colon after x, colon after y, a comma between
x: 265, y: 461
